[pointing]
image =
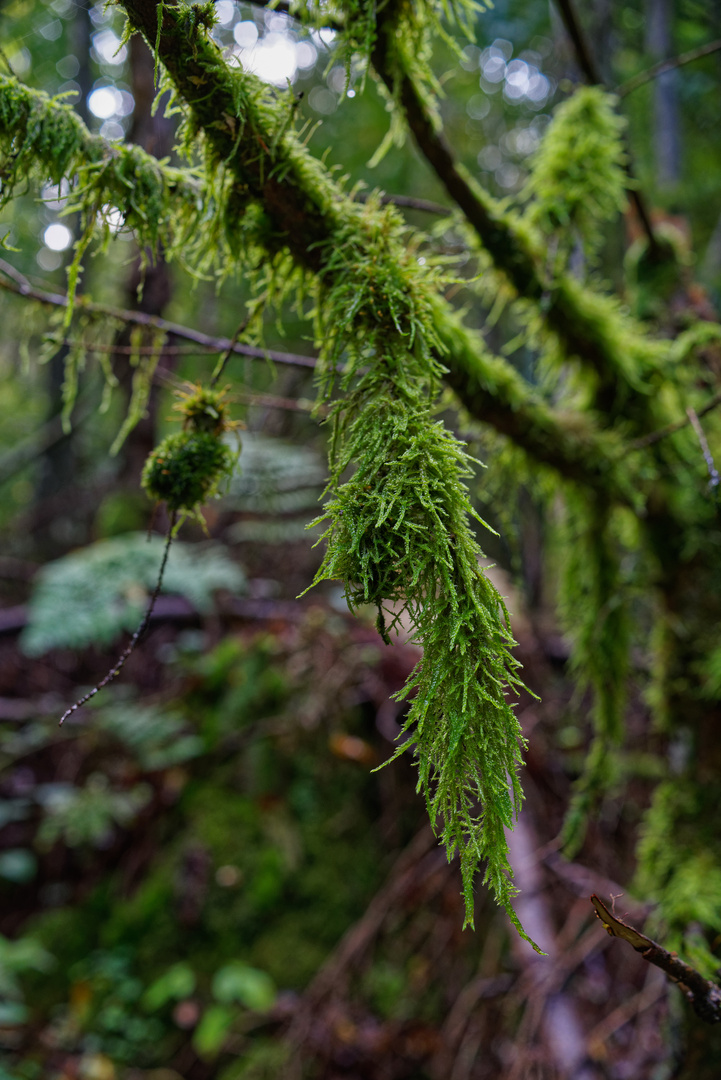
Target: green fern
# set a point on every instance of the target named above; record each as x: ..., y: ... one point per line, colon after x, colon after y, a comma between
x: 92, y: 595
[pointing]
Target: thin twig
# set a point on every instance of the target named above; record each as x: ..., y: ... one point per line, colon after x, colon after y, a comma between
x: 671, y: 429
x: 240, y: 330
x: 408, y: 202
x: 707, y: 455
x: 246, y: 397
x: 271, y: 401
x: 22, y: 287
x: 666, y: 65
x: 124, y: 656
x: 129, y: 350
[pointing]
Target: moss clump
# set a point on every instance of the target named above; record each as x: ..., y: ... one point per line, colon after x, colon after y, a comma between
x: 205, y: 409
x: 187, y: 469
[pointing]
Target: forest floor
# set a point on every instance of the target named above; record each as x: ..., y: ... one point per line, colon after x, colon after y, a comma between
x: 201, y: 876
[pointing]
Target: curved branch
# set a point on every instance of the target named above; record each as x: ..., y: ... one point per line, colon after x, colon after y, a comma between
x: 703, y: 995
x: 579, y: 317
x: 643, y: 77
x: 307, y: 211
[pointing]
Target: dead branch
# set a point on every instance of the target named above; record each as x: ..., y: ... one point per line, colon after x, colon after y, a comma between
x: 703, y: 995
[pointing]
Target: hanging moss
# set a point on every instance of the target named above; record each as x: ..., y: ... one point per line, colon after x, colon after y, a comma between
x: 399, y: 535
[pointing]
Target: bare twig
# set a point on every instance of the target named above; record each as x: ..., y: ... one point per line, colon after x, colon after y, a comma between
x: 22, y: 287
x: 255, y: 308
x: 666, y: 65
x: 703, y: 995
x: 671, y: 429
x: 271, y: 401
x: 408, y: 202
x: 580, y: 880
x: 125, y: 655
x: 707, y: 455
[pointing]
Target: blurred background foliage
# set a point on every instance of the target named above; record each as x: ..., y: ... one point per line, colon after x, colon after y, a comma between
x: 200, y: 876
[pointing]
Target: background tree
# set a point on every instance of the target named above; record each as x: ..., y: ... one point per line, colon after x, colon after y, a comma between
x: 593, y: 410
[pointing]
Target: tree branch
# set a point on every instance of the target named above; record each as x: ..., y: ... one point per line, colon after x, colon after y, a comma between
x: 488, y: 387
x: 308, y: 211
x: 588, y: 66
x: 22, y: 287
x: 495, y: 393
x: 580, y: 318
x: 703, y: 995
x: 663, y: 66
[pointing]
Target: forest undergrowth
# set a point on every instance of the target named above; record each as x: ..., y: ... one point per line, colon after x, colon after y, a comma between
x: 314, y: 921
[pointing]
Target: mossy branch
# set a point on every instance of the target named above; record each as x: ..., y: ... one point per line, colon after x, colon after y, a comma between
x: 587, y: 324
x: 43, y: 139
x: 567, y: 441
x: 488, y: 386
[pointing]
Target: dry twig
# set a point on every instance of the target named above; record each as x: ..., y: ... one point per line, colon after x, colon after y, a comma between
x: 703, y: 995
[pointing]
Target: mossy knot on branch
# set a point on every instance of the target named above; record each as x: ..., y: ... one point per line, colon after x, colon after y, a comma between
x: 187, y: 468
x: 205, y: 409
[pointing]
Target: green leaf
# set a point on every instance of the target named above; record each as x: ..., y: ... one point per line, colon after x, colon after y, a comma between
x: 236, y: 982
x: 175, y: 983
x: 210, y: 1033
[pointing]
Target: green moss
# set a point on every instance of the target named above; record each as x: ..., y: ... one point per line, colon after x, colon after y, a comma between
x: 399, y: 518
x: 186, y: 469
x: 578, y: 179
x: 204, y: 409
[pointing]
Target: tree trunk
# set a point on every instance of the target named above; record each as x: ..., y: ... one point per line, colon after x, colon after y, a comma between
x: 667, y: 135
